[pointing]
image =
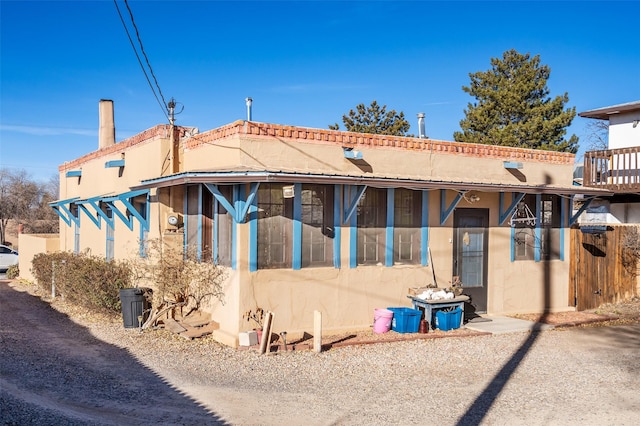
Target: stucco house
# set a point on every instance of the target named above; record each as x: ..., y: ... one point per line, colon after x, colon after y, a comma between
x: 320, y: 220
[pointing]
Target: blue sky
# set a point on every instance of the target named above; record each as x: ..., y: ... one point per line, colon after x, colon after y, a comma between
x: 304, y: 63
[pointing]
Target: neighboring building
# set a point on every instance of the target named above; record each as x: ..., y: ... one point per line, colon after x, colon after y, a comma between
x: 604, y: 247
x: 617, y: 168
x: 338, y: 222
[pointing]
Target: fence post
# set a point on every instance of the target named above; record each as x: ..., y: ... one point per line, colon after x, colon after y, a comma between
x: 53, y: 279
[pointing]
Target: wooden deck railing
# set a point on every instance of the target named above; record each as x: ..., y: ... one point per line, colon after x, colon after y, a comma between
x: 614, y: 169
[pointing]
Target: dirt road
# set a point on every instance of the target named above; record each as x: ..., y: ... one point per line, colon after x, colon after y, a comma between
x: 53, y: 371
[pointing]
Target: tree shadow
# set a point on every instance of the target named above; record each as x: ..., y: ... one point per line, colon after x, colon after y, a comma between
x: 54, y: 371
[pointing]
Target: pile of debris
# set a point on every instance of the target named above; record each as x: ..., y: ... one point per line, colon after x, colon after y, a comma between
x: 193, y: 325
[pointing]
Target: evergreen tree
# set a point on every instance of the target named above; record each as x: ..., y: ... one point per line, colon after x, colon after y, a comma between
x: 374, y: 119
x: 513, y: 107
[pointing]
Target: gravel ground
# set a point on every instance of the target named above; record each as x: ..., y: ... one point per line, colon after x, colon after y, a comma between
x: 63, y: 366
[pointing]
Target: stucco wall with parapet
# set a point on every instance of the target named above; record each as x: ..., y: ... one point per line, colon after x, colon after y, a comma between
x: 146, y: 155
x: 259, y: 146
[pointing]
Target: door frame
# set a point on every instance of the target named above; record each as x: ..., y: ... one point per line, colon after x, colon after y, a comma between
x: 477, y: 293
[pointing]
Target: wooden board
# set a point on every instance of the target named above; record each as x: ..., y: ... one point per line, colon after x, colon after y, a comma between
x: 194, y: 332
x: 173, y: 325
x: 196, y: 320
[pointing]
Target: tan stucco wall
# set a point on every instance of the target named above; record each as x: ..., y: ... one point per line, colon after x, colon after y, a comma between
x: 275, y: 154
x: 347, y: 297
x: 143, y: 160
x: 30, y: 246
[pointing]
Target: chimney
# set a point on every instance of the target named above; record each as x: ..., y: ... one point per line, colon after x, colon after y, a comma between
x: 249, y: 101
x: 107, y: 134
x: 421, y: 131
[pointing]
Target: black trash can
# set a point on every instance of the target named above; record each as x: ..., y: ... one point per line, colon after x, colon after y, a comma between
x: 135, y: 302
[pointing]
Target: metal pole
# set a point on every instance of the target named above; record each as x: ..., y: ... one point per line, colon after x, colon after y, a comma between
x: 53, y: 279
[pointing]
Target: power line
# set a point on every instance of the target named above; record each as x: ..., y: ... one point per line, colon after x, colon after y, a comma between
x: 163, y: 104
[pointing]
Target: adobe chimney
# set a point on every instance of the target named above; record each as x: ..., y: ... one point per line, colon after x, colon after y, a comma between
x: 107, y: 133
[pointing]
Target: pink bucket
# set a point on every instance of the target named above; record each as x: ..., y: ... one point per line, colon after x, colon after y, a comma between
x: 382, y: 320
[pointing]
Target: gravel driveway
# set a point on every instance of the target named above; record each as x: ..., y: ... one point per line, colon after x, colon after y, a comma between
x: 71, y: 369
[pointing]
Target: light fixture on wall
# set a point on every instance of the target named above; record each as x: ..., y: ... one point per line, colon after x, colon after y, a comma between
x: 471, y: 198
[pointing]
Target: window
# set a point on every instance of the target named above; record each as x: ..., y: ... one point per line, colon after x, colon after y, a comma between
x: 372, y: 216
x: 547, y: 243
x: 141, y: 206
x: 303, y: 212
x: 193, y: 222
x: 317, y: 225
x: 110, y: 232
x: 75, y: 212
x: 206, y: 227
x: 223, y: 229
x: 275, y: 214
x: 407, y: 226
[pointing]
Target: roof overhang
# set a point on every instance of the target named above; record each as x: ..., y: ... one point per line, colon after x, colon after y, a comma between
x: 378, y: 182
x: 606, y: 112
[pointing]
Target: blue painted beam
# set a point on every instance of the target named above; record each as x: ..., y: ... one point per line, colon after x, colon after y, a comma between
x: 125, y: 199
x: 63, y: 209
x: 537, y: 253
x: 515, y: 199
x: 445, y: 212
x: 74, y: 173
x: 95, y: 219
x: 351, y: 200
x: 424, y: 230
x: 352, y: 154
x: 297, y: 227
x: 574, y: 218
x: 114, y: 163
x: 253, y: 235
x: 336, y: 227
x: 512, y: 165
x: 388, y: 243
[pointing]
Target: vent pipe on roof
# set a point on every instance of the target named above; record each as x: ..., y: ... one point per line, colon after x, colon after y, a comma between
x: 107, y: 132
x: 421, y: 131
x: 249, y: 101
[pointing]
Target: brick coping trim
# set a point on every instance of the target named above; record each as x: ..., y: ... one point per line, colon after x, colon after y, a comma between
x: 325, y: 136
x: 367, y: 140
x: 159, y: 131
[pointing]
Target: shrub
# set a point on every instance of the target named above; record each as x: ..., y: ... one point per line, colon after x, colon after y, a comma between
x: 13, y: 272
x: 178, y: 277
x: 89, y: 281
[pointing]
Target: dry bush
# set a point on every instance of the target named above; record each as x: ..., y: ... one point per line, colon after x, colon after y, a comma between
x: 177, y: 277
x: 631, y: 249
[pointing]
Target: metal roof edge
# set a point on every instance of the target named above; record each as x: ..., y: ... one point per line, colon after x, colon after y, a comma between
x: 265, y: 176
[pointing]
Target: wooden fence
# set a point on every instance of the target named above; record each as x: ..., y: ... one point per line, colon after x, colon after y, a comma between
x: 602, y: 269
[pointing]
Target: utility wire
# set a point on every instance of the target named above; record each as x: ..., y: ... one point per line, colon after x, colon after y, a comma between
x: 163, y: 104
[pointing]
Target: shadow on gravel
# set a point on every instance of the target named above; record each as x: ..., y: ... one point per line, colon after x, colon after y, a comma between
x: 53, y: 371
x: 483, y: 402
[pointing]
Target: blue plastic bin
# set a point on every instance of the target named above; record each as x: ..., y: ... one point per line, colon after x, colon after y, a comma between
x: 405, y: 320
x: 448, y: 320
